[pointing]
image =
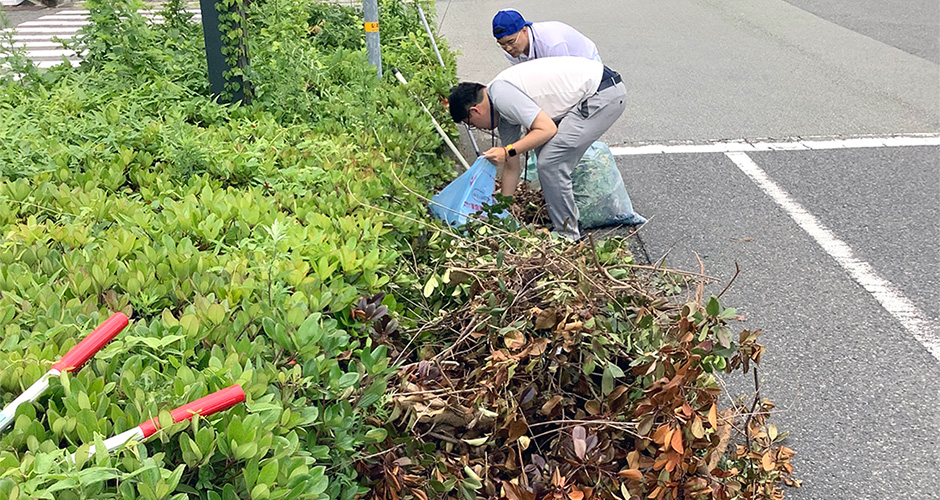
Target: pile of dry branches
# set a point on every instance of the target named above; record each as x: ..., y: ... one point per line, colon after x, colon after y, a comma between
x: 565, y: 372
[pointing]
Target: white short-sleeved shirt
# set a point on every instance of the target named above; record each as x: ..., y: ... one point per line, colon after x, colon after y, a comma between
x: 553, y: 85
x: 553, y: 39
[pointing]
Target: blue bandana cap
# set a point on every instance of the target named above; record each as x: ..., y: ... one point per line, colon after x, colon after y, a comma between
x: 507, y: 22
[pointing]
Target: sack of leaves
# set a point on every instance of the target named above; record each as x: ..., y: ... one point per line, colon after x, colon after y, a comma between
x: 599, y: 191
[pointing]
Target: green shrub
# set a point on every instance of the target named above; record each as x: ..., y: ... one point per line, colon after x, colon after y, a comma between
x: 236, y: 238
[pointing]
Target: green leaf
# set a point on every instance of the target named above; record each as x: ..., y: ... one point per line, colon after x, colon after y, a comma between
x: 373, y: 394
x: 260, y: 492
x: 215, y: 313
x: 713, y: 307
x: 62, y: 484
x: 310, y: 331
x: 443, y: 487
x: 615, y: 370
x: 607, y: 380
x: 430, y: 285
x: 268, y: 474
x: 348, y: 380
x: 95, y: 475
x: 319, y: 481
x: 377, y: 435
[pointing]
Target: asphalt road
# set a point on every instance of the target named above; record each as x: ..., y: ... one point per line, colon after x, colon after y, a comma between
x: 25, y: 12
x: 727, y: 69
x: 855, y: 386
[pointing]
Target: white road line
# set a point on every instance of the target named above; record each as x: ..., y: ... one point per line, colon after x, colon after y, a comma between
x: 45, y: 54
x: 52, y: 22
x: 36, y: 36
x: 789, y: 145
x: 61, y: 30
x: 66, y: 17
x: 49, y: 64
x: 45, y: 44
x: 29, y: 38
x: 86, y: 12
x: 886, y: 293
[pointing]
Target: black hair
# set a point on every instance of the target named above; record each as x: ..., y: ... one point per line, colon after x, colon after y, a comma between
x: 462, y: 98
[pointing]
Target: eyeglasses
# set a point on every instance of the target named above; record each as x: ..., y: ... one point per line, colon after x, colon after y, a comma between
x: 507, y: 43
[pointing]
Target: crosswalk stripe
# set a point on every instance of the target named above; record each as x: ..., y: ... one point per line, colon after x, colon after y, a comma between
x: 53, y: 30
x: 31, y: 38
x: 36, y: 45
x: 56, y: 53
x: 36, y: 36
x: 86, y: 12
x: 51, y: 22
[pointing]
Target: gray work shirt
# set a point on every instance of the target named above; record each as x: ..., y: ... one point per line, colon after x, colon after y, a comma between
x: 554, y: 85
x: 516, y: 110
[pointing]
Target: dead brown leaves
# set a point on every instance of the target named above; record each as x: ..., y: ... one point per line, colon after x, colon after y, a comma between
x: 557, y: 381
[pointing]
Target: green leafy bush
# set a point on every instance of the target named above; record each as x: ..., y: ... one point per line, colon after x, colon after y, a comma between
x: 236, y: 238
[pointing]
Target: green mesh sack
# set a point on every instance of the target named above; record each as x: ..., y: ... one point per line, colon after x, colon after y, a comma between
x: 599, y: 191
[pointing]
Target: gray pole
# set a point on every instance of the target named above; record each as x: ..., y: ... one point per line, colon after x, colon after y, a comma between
x: 427, y: 27
x: 370, y: 12
x: 430, y: 34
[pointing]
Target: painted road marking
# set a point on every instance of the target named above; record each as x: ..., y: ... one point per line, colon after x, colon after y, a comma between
x: 886, y: 293
x: 53, y: 22
x: 51, y: 53
x: 63, y: 30
x: 37, y: 37
x: 809, y: 144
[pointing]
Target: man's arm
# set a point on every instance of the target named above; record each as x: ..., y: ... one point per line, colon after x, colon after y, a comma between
x: 541, y: 131
x: 512, y: 171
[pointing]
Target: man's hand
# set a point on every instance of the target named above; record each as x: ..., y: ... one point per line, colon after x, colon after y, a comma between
x: 540, y: 131
x: 497, y: 156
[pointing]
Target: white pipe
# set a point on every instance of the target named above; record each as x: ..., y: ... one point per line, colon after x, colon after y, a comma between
x: 29, y: 395
x: 437, y: 125
x: 427, y: 27
x: 115, y: 442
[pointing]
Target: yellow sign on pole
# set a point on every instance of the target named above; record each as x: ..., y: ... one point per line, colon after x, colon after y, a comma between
x: 372, y: 27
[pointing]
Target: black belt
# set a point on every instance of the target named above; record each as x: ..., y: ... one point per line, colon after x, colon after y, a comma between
x: 609, y: 79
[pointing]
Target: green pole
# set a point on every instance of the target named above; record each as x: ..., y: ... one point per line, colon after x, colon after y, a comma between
x: 218, y: 66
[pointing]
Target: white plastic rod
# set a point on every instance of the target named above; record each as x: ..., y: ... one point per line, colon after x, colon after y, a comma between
x: 30, y: 394
x: 450, y: 144
x: 427, y: 27
x: 73, y: 360
x: 114, y: 442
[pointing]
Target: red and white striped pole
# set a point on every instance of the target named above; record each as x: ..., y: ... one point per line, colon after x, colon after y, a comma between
x: 72, y: 361
x: 213, y: 403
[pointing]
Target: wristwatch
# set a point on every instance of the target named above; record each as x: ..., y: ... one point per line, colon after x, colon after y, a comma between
x: 511, y: 151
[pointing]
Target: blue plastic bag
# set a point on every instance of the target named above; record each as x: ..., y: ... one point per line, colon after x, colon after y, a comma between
x: 467, y: 194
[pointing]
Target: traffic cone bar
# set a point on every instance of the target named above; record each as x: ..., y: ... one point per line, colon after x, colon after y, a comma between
x: 213, y: 403
x: 72, y: 361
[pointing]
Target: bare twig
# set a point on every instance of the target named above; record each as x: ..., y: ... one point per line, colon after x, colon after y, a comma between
x: 700, y: 289
x: 737, y: 271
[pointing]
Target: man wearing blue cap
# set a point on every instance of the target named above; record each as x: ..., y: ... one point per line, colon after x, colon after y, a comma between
x: 523, y: 41
x: 563, y: 104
